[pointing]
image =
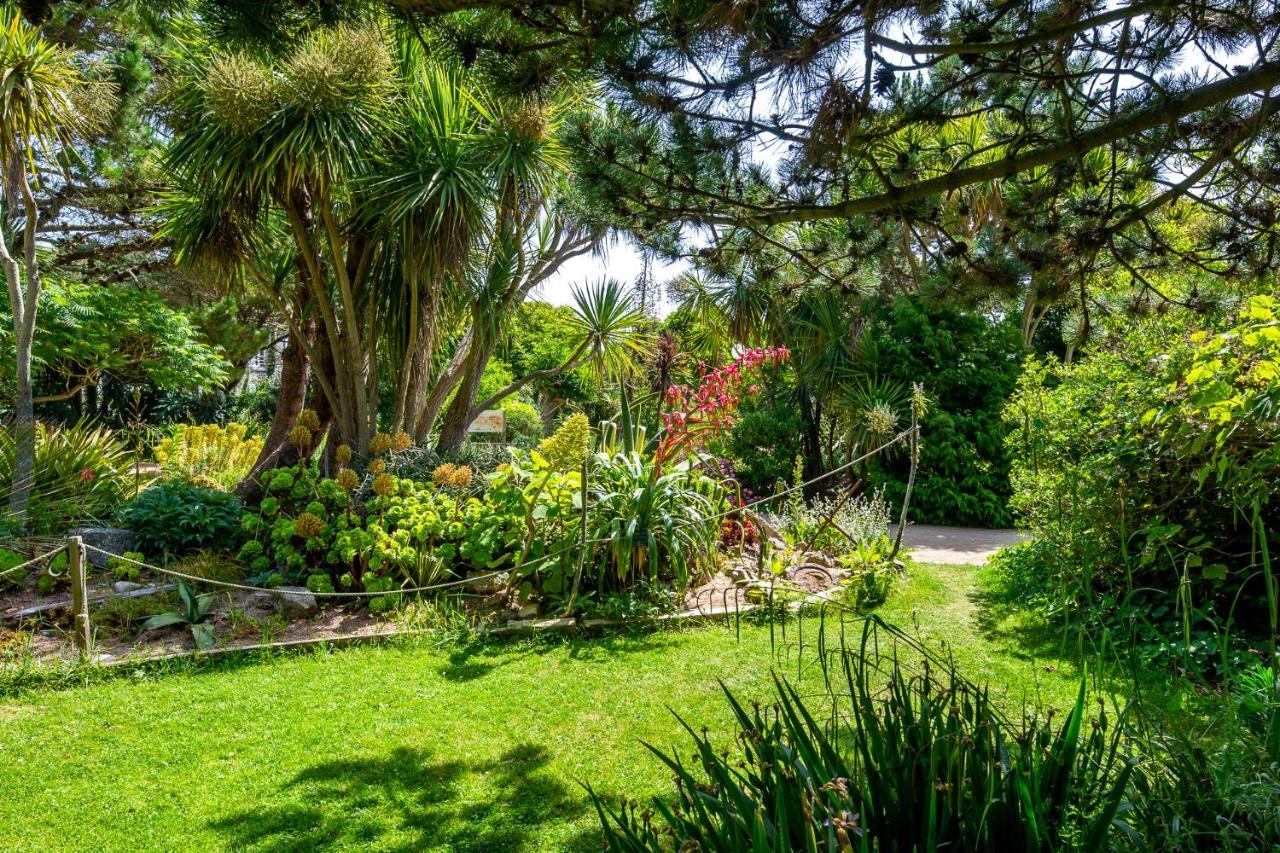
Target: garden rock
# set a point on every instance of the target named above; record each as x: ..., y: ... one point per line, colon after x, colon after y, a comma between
x: 123, y: 587
x: 117, y: 540
x: 765, y: 525
x: 297, y: 601
x: 486, y: 582
x: 261, y: 604
x: 821, y: 558
x: 527, y: 612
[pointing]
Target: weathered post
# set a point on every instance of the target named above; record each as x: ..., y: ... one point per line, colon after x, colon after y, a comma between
x: 79, y: 594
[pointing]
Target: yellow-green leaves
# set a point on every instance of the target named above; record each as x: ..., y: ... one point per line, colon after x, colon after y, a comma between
x: 45, y: 96
x: 1232, y: 369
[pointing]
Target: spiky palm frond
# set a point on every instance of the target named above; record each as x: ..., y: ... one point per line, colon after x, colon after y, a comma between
x: 46, y: 99
x: 610, y: 326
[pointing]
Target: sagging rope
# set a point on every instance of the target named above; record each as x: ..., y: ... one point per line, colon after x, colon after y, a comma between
x: 33, y: 560
x: 337, y: 593
x: 229, y: 584
x: 793, y: 489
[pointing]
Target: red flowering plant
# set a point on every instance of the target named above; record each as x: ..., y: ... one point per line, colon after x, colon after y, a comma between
x: 692, y: 416
x: 735, y: 528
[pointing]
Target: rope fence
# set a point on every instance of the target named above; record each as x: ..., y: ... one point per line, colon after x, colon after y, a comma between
x: 76, y: 550
x: 34, y: 560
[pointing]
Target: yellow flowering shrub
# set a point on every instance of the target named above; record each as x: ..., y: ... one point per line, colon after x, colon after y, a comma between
x: 565, y: 448
x: 209, y: 455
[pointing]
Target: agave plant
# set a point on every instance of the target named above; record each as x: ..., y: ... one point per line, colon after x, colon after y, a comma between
x: 657, y: 521
x: 655, y: 525
x: 196, y: 609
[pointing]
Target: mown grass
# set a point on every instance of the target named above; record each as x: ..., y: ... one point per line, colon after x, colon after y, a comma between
x: 452, y: 747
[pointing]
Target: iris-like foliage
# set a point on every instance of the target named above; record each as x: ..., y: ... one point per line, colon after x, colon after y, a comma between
x: 922, y: 762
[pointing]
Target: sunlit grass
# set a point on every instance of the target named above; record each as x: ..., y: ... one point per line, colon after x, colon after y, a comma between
x: 451, y: 747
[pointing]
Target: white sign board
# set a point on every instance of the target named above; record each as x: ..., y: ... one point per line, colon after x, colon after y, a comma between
x: 490, y: 421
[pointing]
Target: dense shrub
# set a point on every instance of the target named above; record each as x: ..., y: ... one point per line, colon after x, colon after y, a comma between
x: 179, y: 518
x: 523, y: 421
x: 209, y: 455
x: 1150, y: 469
x: 765, y: 440
x: 81, y: 473
x: 969, y: 365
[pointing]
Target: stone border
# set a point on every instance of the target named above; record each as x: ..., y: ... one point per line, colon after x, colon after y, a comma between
x: 513, y: 628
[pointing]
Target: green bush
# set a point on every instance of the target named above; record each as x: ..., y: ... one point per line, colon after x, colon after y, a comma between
x: 523, y: 421
x: 765, y: 439
x: 925, y: 763
x: 81, y: 473
x: 968, y: 365
x: 179, y: 518
x: 1150, y: 471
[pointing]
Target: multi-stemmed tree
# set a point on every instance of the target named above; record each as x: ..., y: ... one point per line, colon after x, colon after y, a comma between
x: 47, y: 101
x: 381, y: 199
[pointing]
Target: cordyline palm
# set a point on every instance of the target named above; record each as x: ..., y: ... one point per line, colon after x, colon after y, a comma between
x: 524, y: 239
x: 46, y: 101
x: 292, y: 138
x: 392, y: 179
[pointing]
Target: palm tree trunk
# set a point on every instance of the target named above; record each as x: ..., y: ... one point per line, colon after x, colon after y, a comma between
x: 460, y: 414
x: 292, y: 396
x: 447, y: 381
x: 812, y: 437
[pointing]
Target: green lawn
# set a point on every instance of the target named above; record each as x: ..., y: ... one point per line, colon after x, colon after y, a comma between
x: 477, y: 747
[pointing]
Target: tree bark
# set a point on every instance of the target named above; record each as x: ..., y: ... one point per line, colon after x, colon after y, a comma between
x: 294, y: 368
x: 24, y: 303
x: 459, y: 415
x: 812, y: 437
x: 286, y: 453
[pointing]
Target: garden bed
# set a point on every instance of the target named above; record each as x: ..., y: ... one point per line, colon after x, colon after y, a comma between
x: 244, y: 618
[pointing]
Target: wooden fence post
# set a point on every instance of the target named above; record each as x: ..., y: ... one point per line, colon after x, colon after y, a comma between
x: 79, y: 594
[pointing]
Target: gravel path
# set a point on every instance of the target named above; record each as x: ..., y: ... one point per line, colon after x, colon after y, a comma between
x: 931, y: 543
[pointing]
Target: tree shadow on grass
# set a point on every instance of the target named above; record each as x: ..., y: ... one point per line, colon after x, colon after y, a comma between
x: 405, y: 800
x: 999, y: 618
x: 478, y: 657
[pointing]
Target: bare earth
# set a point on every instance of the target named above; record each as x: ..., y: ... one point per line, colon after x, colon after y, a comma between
x: 931, y: 543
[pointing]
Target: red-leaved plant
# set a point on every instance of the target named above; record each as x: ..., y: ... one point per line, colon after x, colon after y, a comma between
x: 692, y: 416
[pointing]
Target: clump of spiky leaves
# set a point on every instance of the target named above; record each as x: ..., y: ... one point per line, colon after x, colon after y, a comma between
x: 922, y: 763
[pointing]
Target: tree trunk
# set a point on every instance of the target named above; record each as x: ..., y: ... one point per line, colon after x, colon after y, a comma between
x: 440, y: 391
x: 549, y: 407
x: 290, y: 400
x: 286, y: 453
x: 460, y: 414
x: 24, y: 425
x: 23, y: 303
x: 812, y: 438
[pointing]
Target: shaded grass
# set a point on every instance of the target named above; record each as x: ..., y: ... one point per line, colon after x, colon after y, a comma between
x: 475, y: 746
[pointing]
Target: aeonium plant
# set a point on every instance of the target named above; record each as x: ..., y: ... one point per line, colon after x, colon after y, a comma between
x: 693, y: 416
